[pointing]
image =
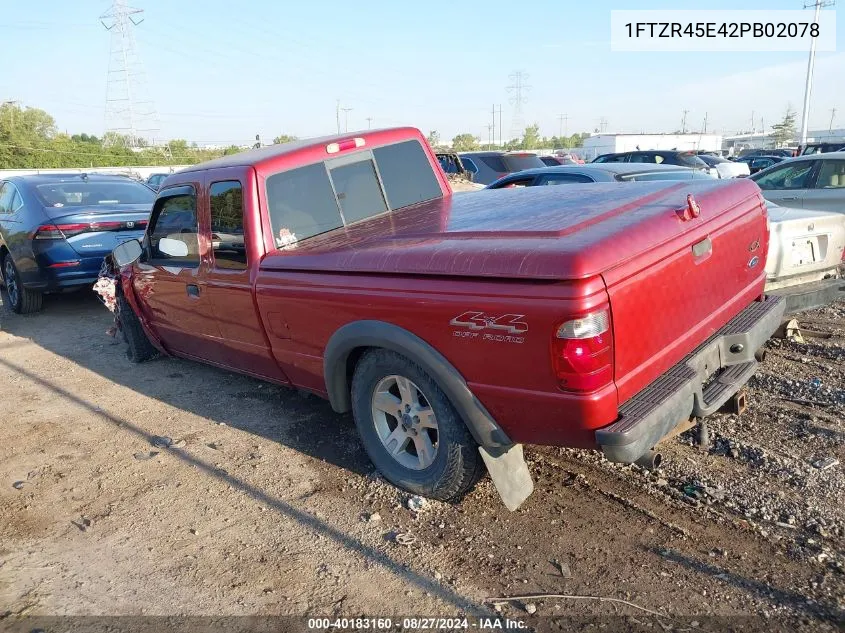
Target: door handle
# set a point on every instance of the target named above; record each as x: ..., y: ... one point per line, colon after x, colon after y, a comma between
x: 193, y: 290
x: 790, y: 198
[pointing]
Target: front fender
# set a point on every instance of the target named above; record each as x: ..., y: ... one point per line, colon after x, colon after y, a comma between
x: 128, y: 290
x: 364, y: 334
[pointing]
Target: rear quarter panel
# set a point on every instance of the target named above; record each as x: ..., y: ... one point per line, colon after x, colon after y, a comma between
x: 510, y: 374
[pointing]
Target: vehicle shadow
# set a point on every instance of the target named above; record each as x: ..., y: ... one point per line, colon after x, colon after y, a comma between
x: 797, y: 601
x: 309, y: 425
x: 303, y: 422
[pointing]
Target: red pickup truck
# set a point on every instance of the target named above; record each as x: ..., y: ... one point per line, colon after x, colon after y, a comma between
x: 456, y: 328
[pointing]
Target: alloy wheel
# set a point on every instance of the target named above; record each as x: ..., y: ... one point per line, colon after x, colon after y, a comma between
x: 405, y: 422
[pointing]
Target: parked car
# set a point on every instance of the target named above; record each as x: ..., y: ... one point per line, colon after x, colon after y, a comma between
x: 806, y: 260
x: 488, y: 166
x: 366, y: 281
x: 759, y: 163
x: 814, y: 182
x: 726, y: 168
x: 784, y: 152
x: 56, y: 229
x: 659, y: 157
x: 154, y: 180
x: 805, y: 247
x: 556, y: 161
x: 601, y: 172
x: 823, y: 148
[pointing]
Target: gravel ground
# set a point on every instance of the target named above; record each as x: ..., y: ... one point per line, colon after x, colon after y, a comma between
x: 264, y: 503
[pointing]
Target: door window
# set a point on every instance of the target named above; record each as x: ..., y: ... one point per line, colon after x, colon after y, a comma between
x: 564, y: 179
x: 831, y: 175
x: 227, y: 225
x: 795, y: 176
x: 175, y: 220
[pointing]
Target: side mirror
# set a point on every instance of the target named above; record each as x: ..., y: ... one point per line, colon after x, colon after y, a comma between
x: 127, y: 253
x: 173, y: 248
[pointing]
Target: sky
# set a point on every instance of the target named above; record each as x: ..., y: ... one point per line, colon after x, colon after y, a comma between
x: 220, y: 72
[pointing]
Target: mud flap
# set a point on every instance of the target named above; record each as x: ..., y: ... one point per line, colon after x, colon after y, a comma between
x: 510, y: 475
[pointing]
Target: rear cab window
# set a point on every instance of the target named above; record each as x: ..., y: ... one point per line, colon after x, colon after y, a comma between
x: 314, y: 199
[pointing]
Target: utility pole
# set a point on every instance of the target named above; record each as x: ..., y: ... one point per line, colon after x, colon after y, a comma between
x: 808, y: 86
x: 337, y: 115
x: 494, y: 121
x: 832, y: 115
x: 517, y: 88
x: 501, y: 141
x: 603, y: 124
x: 346, y: 118
x: 490, y: 128
x: 751, y: 140
x: 15, y: 102
x: 369, y: 122
x: 684, y: 122
x: 705, y: 123
x: 562, y: 119
x: 127, y: 113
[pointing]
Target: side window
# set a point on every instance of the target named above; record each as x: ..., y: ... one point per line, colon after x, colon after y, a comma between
x: 7, y: 192
x: 175, y: 220
x: 469, y: 165
x: 495, y: 163
x: 515, y: 184
x: 831, y: 175
x: 227, y: 225
x: 564, y: 179
x: 656, y: 158
x: 639, y: 157
x: 794, y: 176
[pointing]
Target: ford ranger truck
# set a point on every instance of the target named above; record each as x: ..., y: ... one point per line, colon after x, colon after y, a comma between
x: 455, y: 329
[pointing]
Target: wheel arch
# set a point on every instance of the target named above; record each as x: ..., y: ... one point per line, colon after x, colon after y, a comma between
x: 350, y: 342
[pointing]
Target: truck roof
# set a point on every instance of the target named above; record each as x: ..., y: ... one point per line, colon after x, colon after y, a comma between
x: 261, y: 155
x: 571, y: 232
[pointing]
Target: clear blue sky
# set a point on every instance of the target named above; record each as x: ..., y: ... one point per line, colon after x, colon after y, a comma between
x: 220, y: 71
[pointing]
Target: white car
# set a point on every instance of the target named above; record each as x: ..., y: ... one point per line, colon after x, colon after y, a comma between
x: 806, y: 261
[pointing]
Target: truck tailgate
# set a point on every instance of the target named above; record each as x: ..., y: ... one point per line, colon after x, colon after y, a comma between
x: 670, y: 298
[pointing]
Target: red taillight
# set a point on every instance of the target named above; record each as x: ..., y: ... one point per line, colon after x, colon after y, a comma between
x: 582, y: 352
x: 64, y: 264
x: 61, y: 231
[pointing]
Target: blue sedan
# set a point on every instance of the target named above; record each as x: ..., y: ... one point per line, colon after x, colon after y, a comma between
x: 56, y: 229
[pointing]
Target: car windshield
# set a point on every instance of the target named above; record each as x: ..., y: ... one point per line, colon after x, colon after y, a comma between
x: 518, y: 162
x: 84, y: 193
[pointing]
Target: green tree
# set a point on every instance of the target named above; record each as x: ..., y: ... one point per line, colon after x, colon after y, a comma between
x: 285, y: 138
x: 784, y: 131
x: 433, y: 138
x: 531, y: 137
x: 465, y: 143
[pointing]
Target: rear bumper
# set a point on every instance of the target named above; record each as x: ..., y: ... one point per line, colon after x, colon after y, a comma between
x: 811, y: 295
x: 697, y: 386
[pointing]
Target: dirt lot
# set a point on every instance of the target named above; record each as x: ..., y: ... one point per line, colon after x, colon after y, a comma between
x: 266, y: 504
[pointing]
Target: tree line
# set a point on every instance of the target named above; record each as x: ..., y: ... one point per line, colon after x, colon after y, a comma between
x: 531, y: 139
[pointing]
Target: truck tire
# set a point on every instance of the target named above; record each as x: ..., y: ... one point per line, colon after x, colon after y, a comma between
x: 410, y: 430
x: 138, y: 346
x: 21, y: 300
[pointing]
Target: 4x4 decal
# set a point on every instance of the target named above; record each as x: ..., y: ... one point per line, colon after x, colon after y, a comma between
x: 475, y: 320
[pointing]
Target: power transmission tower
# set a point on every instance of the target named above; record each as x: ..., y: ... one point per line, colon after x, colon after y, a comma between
x: 14, y: 103
x: 704, y: 131
x: 517, y: 88
x: 832, y: 115
x: 130, y: 115
x: 346, y: 118
x: 808, y: 86
x: 684, y: 122
x: 603, y: 124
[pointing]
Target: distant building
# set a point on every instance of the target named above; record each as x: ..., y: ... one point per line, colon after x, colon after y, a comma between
x: 738, y: 142
x: 598, y: 144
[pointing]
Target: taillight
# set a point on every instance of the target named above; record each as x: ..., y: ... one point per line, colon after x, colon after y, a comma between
x: 582, y: 352
x: 62, y: 231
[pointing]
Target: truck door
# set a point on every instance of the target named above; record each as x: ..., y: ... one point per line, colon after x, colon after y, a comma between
x: 235, y: 238
x: 169, y: 279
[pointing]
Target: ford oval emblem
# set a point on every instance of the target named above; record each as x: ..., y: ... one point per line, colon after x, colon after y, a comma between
x: 753, y: 261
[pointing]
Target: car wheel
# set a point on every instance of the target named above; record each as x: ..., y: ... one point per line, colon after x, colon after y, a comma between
x: 410, y: 430
x: 138, y: 346
x: 22, y: 300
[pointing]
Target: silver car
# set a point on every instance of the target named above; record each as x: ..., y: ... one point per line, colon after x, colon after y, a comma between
x: 807, y: 182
